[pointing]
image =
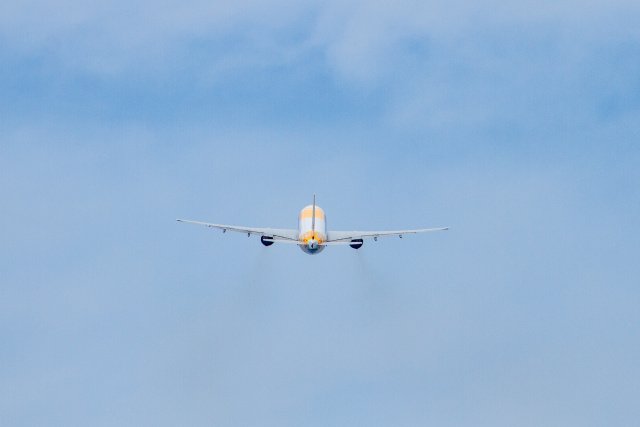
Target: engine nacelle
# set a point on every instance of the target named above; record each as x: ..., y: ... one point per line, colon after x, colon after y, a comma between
x: 356, y: 243
x: 266, y: 240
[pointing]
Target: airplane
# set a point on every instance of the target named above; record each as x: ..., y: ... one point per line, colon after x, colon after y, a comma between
x: 312, y: 235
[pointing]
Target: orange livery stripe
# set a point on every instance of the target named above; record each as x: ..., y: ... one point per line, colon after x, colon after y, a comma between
x: 305, y: 237
x: 308, y: 213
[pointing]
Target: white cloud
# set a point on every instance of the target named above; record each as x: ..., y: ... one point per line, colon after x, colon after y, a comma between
x: 358, y: 37
x: 439, y: 65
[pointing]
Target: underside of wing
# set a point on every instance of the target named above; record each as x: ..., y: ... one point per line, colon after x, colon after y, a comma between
x: 344, y: 237
x: 281, y: 235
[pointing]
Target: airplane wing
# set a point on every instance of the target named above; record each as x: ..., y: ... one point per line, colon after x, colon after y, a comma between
x: 345, y: 237
x: 280, y: 235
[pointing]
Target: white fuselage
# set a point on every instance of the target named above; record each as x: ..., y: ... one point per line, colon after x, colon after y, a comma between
x: 312, y: 232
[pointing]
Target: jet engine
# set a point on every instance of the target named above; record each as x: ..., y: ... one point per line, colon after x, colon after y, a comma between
x: 266, y: 240
x: 356, y: 243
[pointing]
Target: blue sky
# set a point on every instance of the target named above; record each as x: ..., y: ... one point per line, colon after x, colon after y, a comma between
x: 515, y: 124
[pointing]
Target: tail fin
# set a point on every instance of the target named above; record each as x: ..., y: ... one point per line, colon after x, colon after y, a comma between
x: 313, y: 218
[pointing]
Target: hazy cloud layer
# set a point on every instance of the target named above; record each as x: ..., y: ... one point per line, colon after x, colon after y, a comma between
x: 413, y: 65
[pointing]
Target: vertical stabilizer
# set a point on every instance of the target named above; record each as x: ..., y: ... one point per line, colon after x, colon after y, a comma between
x: 313, y: 218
